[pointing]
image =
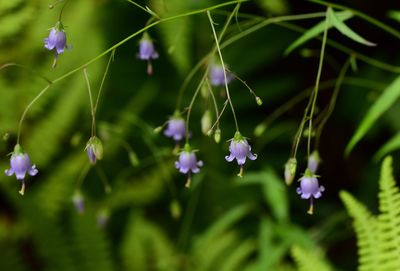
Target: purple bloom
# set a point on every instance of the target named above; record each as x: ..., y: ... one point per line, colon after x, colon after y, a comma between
x: 78, y: 202
x: 20, y: 164
x: 240, y: 149
x: 176, y: 128
x: 310, y: 189
x: 147, y: 51
x: 187, y: 163
x: 217, y: 76
x: 57, y: 40
x: 94, y: 149
x: 102, y: 218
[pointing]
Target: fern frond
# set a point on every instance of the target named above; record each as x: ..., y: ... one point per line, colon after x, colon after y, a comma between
x: 307, y: 260
x: 389, y: 219
x: 366, y: 227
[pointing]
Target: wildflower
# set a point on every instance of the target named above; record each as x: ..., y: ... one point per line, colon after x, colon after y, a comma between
x: 314, y: 161
x: 217, y: 77
x: 78, y: 201
x: 290, y: 170
x: 20, y: 164
x: 240, y: 149
x: 94, y: 149
x: 56, y: 40
x: 102, y: 218
x: 147, y: 51
x: 176, y: 128
x: 310, y: 189
x: 187, y: 163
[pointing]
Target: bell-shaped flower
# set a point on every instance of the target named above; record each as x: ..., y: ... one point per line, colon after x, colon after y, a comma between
x: 240, y: 149
x: 79, y: 202
x: 57, y: 41
x: 20, y: 165
x: 94, y: 149
x: 147, y: 51
x: 187, y: 163
x: 313, y: 161
x: 217, y: 76
x: 176, y: 128
x: 310, y: 189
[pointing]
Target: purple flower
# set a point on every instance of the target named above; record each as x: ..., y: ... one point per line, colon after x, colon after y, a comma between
x: 176, y: 128
x: 147, y: 51
x: 102, y: 218
x: 20, y: 164
x: 79, y: 202
x: 310, y: 189
x: 217, y: 77
x: 57, y: 40
x: 187, y: 163
x: 313, y: 161
x: 240, y: 149
x: 94, y: 149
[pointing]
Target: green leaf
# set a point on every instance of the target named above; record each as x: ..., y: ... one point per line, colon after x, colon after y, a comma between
x: 390, y: 146
x: 394, y: 14
x: 384, y: 102
x: 316, y: 30
x: 309, y: 260
x: 345, y: 30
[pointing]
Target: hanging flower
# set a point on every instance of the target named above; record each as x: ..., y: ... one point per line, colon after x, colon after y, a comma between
x: 57, y: 41
x: 79, y: 202
x: 176, y: 128
x: 187, y: 163
x: 147, y: 51
x: 94, y: 149
x: 313, y: 161
x: 102, y: 218
x: 240, y: 149
x: 217, y: 77
x: 20, y: 165
x: 310, y: 189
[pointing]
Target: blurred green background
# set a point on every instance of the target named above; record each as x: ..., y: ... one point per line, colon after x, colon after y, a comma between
x: 154, y: 222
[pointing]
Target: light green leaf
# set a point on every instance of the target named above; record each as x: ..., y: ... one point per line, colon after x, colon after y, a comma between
x: 394, y: 14
x: 316, y: 30
x: 384, y: 102
x: 345, y: 30
x: 390, y: 146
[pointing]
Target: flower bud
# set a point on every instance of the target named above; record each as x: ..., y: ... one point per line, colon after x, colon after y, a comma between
x: 259, y: 101
x: 133, y: 159
x: 290, y: 170
x: 314, y: 161
x: 78, y: 201
x: 94, y: 149
x: 217, y: 135
x: 206, y: 122
x: 102, y: 218
x: 175, y: 209
x: 260, y: 129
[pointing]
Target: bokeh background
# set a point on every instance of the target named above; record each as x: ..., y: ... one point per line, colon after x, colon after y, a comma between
x: 154, y: 222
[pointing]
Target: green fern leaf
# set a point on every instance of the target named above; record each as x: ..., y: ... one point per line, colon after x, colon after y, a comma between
x: 366, y: 227
x: 389, y: 219
x: 307, y: 260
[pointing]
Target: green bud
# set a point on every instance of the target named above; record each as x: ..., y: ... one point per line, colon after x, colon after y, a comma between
x: 94, y: 149
x: 260, y: 129
x: 290, y: 170
x: 133, y: 159
x: 175, y: 209
x: 259, y: 101
x: 158, y: 129
x: 217, y: 135
x: 206, y: 122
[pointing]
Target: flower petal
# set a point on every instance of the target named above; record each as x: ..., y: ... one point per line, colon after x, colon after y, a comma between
x: 229, y: 158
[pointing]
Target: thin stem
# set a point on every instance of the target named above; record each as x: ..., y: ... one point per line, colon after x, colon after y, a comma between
x: 104, y: 180
x: 144, y: 9
x: 26, y: 68
x: 191, y: 105
x: 43, y: 91
x: 315, y: 95
x: 102, y: 81
x: 204, y: 59
x: 244, y: 83
x: 143, y: 30
x: 364, y: 16
x: 223, y: 67
x: 62, y: 10
x: 220, y: 115
x: 91, y: 102
x: 332, y: 103
x: 82, y: 176
x: 214, y: 102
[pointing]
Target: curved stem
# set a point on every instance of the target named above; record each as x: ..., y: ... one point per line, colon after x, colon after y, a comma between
x: 102, y: 81
x: 62, y: 10
x: 13, y: 64
x: 315, y: 95
x: 91, y: 102
x: 43, y: 91
x: 223, y: 67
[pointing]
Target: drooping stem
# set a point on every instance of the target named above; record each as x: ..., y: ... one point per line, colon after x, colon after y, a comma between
x: 91, y: 102
x: 315, y: 94
x: 223, y: 67
x: 102, y: 81
x: 62, y: 10
x: 27, y: 109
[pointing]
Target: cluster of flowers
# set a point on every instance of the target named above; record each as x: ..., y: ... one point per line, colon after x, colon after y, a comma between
x: 309, y: 186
